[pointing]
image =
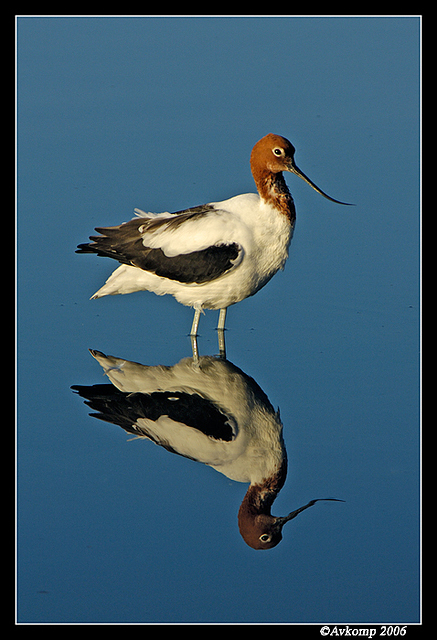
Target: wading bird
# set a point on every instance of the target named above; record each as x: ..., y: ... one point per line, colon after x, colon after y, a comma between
x: 213, y: 255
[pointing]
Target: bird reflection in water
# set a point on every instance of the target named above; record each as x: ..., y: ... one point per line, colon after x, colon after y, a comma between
x: 206, y: 409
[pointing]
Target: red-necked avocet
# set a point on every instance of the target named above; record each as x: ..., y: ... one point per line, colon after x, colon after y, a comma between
x: 210, y: 411
x: 213, y: 255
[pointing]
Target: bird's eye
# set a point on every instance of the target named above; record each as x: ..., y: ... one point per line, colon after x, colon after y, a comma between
x: 278, y: 151
x: 264, y: 537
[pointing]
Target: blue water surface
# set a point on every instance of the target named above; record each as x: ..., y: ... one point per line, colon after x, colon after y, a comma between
x: 161, y: 114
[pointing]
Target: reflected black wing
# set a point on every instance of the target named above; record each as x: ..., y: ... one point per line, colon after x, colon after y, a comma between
x: 124, y: 410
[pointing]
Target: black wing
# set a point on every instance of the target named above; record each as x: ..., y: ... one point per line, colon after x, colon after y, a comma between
x: 125, y: 244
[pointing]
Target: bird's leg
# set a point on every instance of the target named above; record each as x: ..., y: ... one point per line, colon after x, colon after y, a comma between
x: 195, y: 324
x: 195, y: 349
x: 221, y: 341
x: 221, y: 333
x: 222, y: 319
